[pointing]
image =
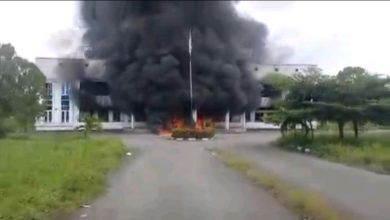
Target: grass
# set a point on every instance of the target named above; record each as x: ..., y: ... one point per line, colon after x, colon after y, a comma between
x: 370, y: 151
x: 307, y: 204
x: 41, y: 175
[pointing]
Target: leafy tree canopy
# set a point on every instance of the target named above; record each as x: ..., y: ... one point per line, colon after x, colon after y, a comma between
x: 21, y: 87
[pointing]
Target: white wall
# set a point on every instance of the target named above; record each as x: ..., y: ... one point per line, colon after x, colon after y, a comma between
x: 260, y: 70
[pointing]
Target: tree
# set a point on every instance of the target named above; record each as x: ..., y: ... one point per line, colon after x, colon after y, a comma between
x: 347, y: 97
x: 287, y: 113
x: 21, y: 87
x: 90, y: 123
x: 353, y: 95
x: 278, y: 81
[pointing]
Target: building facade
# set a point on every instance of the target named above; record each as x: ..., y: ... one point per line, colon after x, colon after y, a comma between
x: 63, y: 113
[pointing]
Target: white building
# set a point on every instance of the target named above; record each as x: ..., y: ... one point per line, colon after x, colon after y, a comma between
x: 62, y: 113
x: 260, y: 70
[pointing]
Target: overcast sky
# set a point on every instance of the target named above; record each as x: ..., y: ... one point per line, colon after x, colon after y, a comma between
x: 330, y: 34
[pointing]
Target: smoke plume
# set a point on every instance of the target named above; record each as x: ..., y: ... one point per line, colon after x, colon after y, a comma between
x: 144, y: 48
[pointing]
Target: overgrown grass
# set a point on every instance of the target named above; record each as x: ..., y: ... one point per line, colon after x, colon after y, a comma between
x: 43, y: 174
x: 308, y: 205
x: 371, y: 151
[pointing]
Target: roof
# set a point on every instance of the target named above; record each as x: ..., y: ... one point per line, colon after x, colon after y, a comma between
x: 58, y: 58
x: 286, y: 64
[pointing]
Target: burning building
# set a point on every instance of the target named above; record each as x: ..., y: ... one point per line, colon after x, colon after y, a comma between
x: 164, y: 60
x: 63, y: 107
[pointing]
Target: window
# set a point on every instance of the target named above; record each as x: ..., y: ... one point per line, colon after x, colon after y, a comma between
x: 48, y: 102
x: 116, y: 116
x: 65, y: 102
x: 49, y: 89
x: 256, y: 68
x: 48, y: 116
x: 296, y: 70
x: 259, y: 116
x: 64, y: 116
x: 103, y: 115
x: 276, y: 69
x: 65, y: 89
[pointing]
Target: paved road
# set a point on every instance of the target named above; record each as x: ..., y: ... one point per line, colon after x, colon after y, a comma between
x: 362, y: 193
x: 172, y: 180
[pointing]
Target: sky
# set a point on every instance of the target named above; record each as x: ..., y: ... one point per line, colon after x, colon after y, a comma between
x: 330, y: 34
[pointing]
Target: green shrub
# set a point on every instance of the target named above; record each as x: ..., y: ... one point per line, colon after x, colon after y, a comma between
x: 186, y: 133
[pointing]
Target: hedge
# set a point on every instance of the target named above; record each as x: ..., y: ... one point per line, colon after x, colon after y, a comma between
x: 186, y: 133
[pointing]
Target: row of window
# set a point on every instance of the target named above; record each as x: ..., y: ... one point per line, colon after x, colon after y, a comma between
x: 65, y: 102
x: 277, y: 69
x: 65, y: 105
x: 103, y: 116
x: 48, y: 117
x: 65, y: 89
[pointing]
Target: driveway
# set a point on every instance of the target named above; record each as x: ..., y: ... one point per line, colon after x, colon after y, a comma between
x: 364, y: 194
x: 170, y: 180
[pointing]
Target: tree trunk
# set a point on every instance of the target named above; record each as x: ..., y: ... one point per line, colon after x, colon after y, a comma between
x: 340, y: 125
x: 355, y: 128
x: 311, y: 129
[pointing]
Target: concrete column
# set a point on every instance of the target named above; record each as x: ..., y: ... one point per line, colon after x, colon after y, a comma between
x: 243, y: 120
x: 110, y: 116
x: 132, y: 121
x: 76, y: 113
x: 56, y: 102
x: 195, y: 115
x: 253, y: 116
x: 227, y: 120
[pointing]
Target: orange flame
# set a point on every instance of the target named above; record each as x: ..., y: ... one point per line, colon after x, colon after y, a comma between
x: 177, y: 122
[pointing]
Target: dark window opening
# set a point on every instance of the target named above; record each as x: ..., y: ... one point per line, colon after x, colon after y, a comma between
x: 258, y: 116
x: 296, y: 70
x: 65, y: 102
x: 49, y: 105
x: 47, y: 117
x: 103, y: 115
x: 64, y: 116
x: 247, y: 116
x: 276, y: 69
x: 49, y: 89
x: 116, y: 116
x: 94, y: 87
x: 256, y: 68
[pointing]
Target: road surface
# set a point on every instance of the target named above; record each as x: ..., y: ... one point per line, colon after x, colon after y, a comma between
x: 170, y: 180
x: 363, y: 194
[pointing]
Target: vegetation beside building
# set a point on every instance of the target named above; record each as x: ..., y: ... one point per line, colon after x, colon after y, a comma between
x: 22, y: 87
x: 352, y: 96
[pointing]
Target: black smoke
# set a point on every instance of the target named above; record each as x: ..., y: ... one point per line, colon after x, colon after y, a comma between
x: 144, y: 46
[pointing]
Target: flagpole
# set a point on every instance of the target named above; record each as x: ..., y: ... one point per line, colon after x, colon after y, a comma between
x: 190, y: 51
